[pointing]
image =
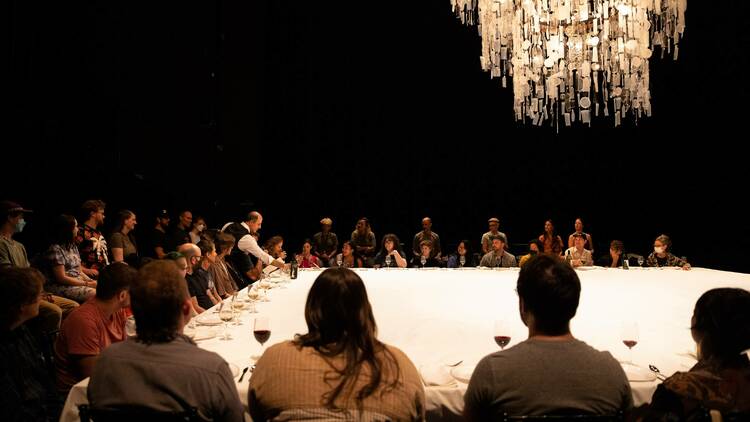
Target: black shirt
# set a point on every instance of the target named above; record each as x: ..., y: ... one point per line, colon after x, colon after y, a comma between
x: 198, y: 282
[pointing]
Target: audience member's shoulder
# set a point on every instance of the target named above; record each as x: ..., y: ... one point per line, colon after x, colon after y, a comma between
x: 601, y: 357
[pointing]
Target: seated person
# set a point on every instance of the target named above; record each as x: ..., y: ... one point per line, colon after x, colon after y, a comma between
x: 463, y: 256
x: 306, y: 259
x: 161, y: 369
x: 200, y: 282
x: 347, y: 258
x: 339, y: 370
x: 535, y: 248
x: 390, y: 254
x: 615, y: 257
x: 721, y: 379
x: 498, y: 256
x: 574, y: 376
x: 426, y: 258
x: 93, y: 326
x: 578, y: 256
x: 662, y: 255
x: 28, y: 391
x: 61, y: 263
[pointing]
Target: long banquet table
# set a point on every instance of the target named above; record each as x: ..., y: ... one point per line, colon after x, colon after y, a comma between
x: 441, y: 316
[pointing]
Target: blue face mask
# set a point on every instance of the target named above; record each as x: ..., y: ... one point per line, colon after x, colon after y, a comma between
x: 20, y: 225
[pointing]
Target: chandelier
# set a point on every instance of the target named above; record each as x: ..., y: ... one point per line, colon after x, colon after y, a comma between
x: 571, y: 60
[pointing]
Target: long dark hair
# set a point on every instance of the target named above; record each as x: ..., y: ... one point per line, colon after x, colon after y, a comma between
x: 722, y: 321
x: 340, y: 323
x: 120, y: 223
x: 62, y: 233
x: 396, y: 244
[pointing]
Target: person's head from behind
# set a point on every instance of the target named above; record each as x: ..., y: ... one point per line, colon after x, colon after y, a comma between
x: 22, y: 289
x: 192, y: 254
x: 721, y: 326
x: 579, y: 240
x: 390, y: 242
x: 498, y: 243
x: 180, y: 262
x: 114, y: 284
x: 662, y: 244
x: 548, y: 292
x: 93, y: 209
x: 160, y: 302
x: 340, y: 322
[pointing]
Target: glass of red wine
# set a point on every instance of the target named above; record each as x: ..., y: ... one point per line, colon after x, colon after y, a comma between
x: 262, y: 331
x: 501, y: 333
x: 629, y: 336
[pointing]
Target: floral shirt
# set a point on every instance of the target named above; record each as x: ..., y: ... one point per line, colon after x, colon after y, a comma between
x: 92, y: 247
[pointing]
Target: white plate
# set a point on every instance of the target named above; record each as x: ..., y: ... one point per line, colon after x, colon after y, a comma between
x: 201, y: 333
x: 212, y: 319
x: 638, y: 373
x: 586, y: 268
x: 462, y: 373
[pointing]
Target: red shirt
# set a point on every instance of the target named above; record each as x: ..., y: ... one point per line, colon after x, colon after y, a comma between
x: 85, y: 332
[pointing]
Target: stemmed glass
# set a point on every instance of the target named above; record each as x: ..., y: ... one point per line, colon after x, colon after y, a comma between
x: 462, y: 260
x: 501, y: 333
x: 253, y: 295
x: 640, y: 261
x: 237, y: 306
x: 226, y: 314
x: 388, y: 260
x: 262, y: 332
x: 629, y: 336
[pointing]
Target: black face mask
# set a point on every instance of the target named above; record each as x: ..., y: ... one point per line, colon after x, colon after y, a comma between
x: 532, y: 253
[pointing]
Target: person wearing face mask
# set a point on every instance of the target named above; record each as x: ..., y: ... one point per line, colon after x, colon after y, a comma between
x: 662, y: 257
x: 52, y: 309
x: 196, y: 233
x: 535, y: 247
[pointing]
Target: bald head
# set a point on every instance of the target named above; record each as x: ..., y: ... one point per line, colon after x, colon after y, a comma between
x: 427, y: 224
x: 254, y: 221
x: 192, y: 254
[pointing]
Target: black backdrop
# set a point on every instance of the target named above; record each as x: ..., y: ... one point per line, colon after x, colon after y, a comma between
x: 304, y: 110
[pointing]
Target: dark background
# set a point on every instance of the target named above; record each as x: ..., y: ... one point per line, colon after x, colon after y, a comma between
x: 380, y: 109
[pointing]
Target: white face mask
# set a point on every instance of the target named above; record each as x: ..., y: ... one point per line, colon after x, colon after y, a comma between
x: 659, y: 249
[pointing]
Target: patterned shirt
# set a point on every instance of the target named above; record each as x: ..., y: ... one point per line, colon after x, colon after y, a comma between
x: 26, y: 390
x: 668, y: 261
x: 493, y: 259
x: 419, y: 237
x: 92, y: 248
x: 326, y: 243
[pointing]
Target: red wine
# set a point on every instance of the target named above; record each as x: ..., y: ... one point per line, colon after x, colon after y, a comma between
x: 630, y: 343
x: 262, y: 336
x: 502, y: 341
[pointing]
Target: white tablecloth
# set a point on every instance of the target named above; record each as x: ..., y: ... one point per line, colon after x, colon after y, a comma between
x: 440, y: 317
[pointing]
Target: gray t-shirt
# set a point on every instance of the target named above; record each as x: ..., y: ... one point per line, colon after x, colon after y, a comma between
x: 538, y: 377
x: 164, y: 377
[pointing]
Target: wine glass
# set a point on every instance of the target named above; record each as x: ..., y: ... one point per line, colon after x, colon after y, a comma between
x: 640, y: 261
x: 253, y: 295
x: 423, y: 260
x: 237, y: 306
x: 262, y: 331
x: 387, y: 260
x: 339, y: 260
x: 629, y: 336
x: 225, y: 314
x: 501, y: 333
x: 462, y: 260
